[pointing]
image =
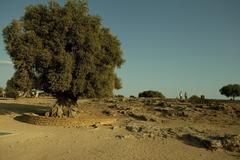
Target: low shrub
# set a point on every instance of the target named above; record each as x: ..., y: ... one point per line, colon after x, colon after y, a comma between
x: 12, y: 94
x: 195, y: 99
x: 151, y: 94
x: 1, y: 92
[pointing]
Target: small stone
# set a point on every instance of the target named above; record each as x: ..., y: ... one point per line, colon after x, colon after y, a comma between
x: 108, y: 113
x: 69, y: 151
x: 95, y: 126
x: 216, y: 144
x: 10, y: 146
x: 151, y: 135
x: 114, y: 127
x: 75, y: 141
x: 120, y: 136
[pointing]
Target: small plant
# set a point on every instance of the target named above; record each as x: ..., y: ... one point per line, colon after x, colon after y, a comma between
x: 151, y: 94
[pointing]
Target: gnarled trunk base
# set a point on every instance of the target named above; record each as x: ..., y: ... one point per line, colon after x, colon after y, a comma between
x: 64, y: 108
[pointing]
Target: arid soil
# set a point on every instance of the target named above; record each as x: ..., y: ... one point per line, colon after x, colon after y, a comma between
x: 145, y: 129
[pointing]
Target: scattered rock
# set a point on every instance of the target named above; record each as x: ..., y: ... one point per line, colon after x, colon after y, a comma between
x: 156, y: 131
x: 108, y: 113
x: 123, y: 136
x: 120, y: 136
x: 228, y: 142
x: 219, y: 107
x: 138, y: 116
x: 95, y: 126
x: 215, y: 144
x: 114, y: 127
x: 231, y: 142
x: 123, y: 99
x: 69, y: 151
x: 133, y: 128
x: 119, y: 107
x: 163, y: 104
x: 123, y: 112
x: 10, y: 146
x: 110, y: 100
x: 151, y: 102
x: 173, y: 112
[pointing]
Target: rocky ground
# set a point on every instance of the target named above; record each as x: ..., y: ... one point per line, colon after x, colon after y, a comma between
x: 144, y: 129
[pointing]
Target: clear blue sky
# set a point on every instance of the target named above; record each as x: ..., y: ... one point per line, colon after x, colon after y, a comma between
x: 169, y: 45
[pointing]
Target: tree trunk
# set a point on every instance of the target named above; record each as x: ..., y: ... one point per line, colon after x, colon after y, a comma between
x: 64, y: 107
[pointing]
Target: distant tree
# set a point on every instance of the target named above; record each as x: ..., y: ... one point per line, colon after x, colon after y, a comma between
x: 12, y: 89
x: 67, y: 51
x: 20, y: 82
x: 151, y: 94
x: 1, y: 91
x: 231, y: 90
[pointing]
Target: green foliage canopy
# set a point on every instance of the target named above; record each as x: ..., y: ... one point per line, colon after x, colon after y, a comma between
x: 231, y: 90
x: 65, y: 50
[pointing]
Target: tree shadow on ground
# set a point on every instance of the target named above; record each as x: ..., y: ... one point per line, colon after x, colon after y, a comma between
x: 10, y: 108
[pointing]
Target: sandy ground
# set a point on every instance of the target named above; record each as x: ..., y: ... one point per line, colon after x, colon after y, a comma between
x: 107, y: 142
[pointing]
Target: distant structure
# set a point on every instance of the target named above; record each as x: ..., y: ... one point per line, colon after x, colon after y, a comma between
x: 180, y: 95
x: 185, y: 95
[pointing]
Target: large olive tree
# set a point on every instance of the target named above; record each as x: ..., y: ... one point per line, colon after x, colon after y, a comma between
x: 66, y: 50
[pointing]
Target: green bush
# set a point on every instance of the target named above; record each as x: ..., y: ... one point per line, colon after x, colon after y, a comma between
x: 12, y: 94
x: 1, y: 91
x: 151, y: 94
x: 195, y: 99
